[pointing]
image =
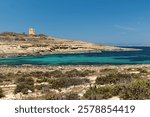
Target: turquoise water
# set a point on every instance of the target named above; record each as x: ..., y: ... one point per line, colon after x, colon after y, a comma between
x: 132, y: 57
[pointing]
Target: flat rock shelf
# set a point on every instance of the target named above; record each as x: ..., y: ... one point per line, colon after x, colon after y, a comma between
x: 99, y: 58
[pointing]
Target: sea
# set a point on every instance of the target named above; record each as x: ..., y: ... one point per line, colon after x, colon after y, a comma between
x: 101, y: 58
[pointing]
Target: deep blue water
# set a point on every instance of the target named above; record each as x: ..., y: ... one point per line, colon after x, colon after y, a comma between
x: 131, y: 57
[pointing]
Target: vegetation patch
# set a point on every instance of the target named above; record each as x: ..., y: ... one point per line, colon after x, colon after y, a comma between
x: 41, y: 80
x: 76, y: 73
x: 66, y: 82
x: 98, y: 93
x: 115, y: 78
x: 72, y: 96
x: 55, y: 73
x: 61, y: 96
x: 138, y: 90
x: 24, y: 84
x: 38, y: 74
x: 1, y: 93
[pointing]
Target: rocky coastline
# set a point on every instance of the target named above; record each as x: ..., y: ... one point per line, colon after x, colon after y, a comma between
x: 12, y: 44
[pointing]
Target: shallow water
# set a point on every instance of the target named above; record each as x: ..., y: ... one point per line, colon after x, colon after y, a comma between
x: 132, y: 57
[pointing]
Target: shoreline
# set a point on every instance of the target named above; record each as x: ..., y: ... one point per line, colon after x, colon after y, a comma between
x: 63, y: 53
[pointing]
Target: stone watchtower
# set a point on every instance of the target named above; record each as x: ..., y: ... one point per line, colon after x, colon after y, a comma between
x: 32, y: 31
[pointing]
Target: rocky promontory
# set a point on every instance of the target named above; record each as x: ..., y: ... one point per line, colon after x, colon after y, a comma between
x: 15, y: 44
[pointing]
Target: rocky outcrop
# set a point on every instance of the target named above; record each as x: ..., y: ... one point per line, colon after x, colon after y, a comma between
x: 23, y: 45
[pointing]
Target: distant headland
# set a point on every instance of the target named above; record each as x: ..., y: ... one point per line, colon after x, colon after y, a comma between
x: 22, y: 44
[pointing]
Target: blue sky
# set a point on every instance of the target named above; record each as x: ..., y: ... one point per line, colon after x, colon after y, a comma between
x: 111, y: 22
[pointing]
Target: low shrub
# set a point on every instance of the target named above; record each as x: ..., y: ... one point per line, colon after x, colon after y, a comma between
x: 94, y: 93
x: 66, y: 82
x: 39, y: 87
x: 1, y: 93
x: 2, y: 76
x: 61, y: 96
x: 107, y: 70
x: 117, y: 89
x: 76, y: 73
x: 53, y: 96
x: 138, y: 90
x: 7, y: 77
x: 86, y: 73
x: 43, y: 88
x: 115, y: 78
x: 41, y: 80
x: 24, y: 84
x: 56, y: 73
x: 72, y: 96
x: 36, y: 74
x: 39, y: 74
x: 1, y: 81
x: 72, y: 73
x: 142, y: 70
x: 59, y: 74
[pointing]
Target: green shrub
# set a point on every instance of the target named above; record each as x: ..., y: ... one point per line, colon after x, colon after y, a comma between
x: 61, y: 96
x: 1, y: 81
x: 43, y: 88
x: 76, y: 73
x: 36, y: 74
x: 2, y: 76
x: 72, y: 96
x: 142, y: 70
x: 138, y: 90
x: 53, y: 96
x: 42, y: 80
x: 94, y: 93
x: 107, y: 70
x: 66, y: 82
x: 24, y: 84
x: 86, y: 73
x: 56, y: 73
x: 72, y: 73
x: 115, y: 78
x: 7, y: 77
x: 1, y: 93
x: 117, y: 89
x: 39, y: 87
x: 59, y: 74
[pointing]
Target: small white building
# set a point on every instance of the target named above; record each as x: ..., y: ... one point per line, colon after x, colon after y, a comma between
x: 32, y: 31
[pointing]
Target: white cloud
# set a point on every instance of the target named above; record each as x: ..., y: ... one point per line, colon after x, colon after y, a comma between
x: 127, y: 28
